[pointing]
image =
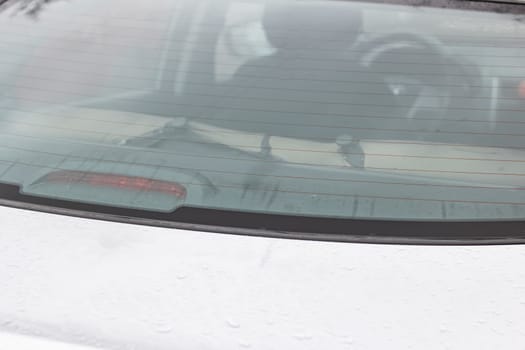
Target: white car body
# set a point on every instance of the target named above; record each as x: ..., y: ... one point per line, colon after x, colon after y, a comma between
x: 136, y: 109
x: 105, y: 285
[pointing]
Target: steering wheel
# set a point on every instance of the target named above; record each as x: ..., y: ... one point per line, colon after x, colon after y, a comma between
x: 419, y: 72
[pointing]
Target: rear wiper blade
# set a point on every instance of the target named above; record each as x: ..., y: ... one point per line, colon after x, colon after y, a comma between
x: 510, y: 2
x: 520, y: 2
x: 498, y: 6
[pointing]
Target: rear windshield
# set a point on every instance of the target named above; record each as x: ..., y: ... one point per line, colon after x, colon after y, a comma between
x: 309, y: 109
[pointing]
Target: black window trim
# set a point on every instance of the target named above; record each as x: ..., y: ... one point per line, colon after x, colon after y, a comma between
x: 282, y: 226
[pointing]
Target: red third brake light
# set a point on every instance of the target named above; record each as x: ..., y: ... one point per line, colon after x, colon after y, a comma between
x: 117, y: 181
x: 521, y: 89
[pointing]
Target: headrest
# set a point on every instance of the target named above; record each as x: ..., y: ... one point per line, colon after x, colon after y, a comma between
x: 311, y: 24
